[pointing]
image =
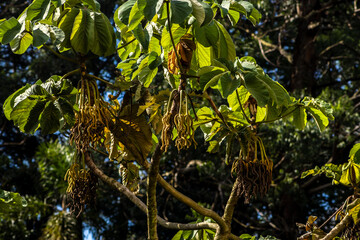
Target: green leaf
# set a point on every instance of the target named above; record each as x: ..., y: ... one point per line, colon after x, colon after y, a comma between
x: 21, y: 42
x: 203, y: 55
x: 251, y: 13
x: 35, y: 91
x: 234, y: 17
x: 202, y: 12
x: 226, y: 47
x: 207, y: 73
x: 180, y: 10
x: 58, y: 3
x: 132, y: 49
x: 233, y: 99
x: 177, y: 32
x: 321, y: 120
x: 124, y: 11
x: 336, y: 172
x: 247, y: 237
x: 321, y: 105
x: 83, y: 34
x: 355, y: 214
x: 37, y: 10
x: 104, y: 37
x: 355, y: 153
x: 142, y: 36
x: 136, y: 16
x: 266, y: 91
x: 10, y: 101
x: 11, y: 201
x: 66, y: 25
x: 154, y: 60
x: 41, y: 34
x: 236, y: 6
x: 227, y: 84
x: 91, y: 4
x: 49, y: 119
x: 26, y: 114
x: 224, y: 8
x: 178, y: 235
x: 300, y: 118
x: 147, y: 75
x: 66, y: 110
x: 151, y: 7
x: 207, y: 35
x: 8, y: 30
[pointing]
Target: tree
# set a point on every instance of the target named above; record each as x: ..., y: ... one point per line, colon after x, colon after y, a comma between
x: 177, y: 41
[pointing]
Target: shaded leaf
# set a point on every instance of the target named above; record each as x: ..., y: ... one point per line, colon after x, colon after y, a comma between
x: 180, y: 10
x: 49, y: 119
x: 26, y: 114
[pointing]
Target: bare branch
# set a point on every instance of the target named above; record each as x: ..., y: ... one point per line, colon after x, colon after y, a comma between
x: 231, y: 203
x: 338, y: 228
x: 264, y: 55
x: 191, y: 203
x: 133, y: 198
x: 283, y: 52
x: 331, y: 47
x: 59, y: 55
x: 151, y: 193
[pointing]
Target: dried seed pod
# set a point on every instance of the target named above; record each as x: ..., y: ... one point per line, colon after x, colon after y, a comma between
x: 184, y: 50
x: 81, y: 188
x: 183, y: 122
x: 254, y: 175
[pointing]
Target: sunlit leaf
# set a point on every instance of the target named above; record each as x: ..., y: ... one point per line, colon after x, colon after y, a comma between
x: 8, y: 30
x: 202, y: 12
x: 21, y: 42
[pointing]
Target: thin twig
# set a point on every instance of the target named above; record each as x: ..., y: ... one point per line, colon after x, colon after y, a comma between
x: 124, y: 45
x: 70, y: 73
x: 264, y: 55
x: 100, y: 79
x: 242, y: 109
x: 59, y: 55
x: 171, y: 36
x: 216, y: 110
x: 192, y: 106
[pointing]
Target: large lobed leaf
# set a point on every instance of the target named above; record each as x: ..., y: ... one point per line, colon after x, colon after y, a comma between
x: 47, y: 105
x: 86, y: 30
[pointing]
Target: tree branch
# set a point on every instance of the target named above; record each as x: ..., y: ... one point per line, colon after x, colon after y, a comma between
x: 282, y: 51
x: 151, y: 193
x: 133, y: 198
x: 338, y: 228
x: 101, y: 80
x: 231, y: 203
x: 191, y: 203
x: 59, y: 55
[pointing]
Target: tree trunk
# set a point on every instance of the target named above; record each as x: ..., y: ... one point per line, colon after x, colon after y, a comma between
x: 304, y: 58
